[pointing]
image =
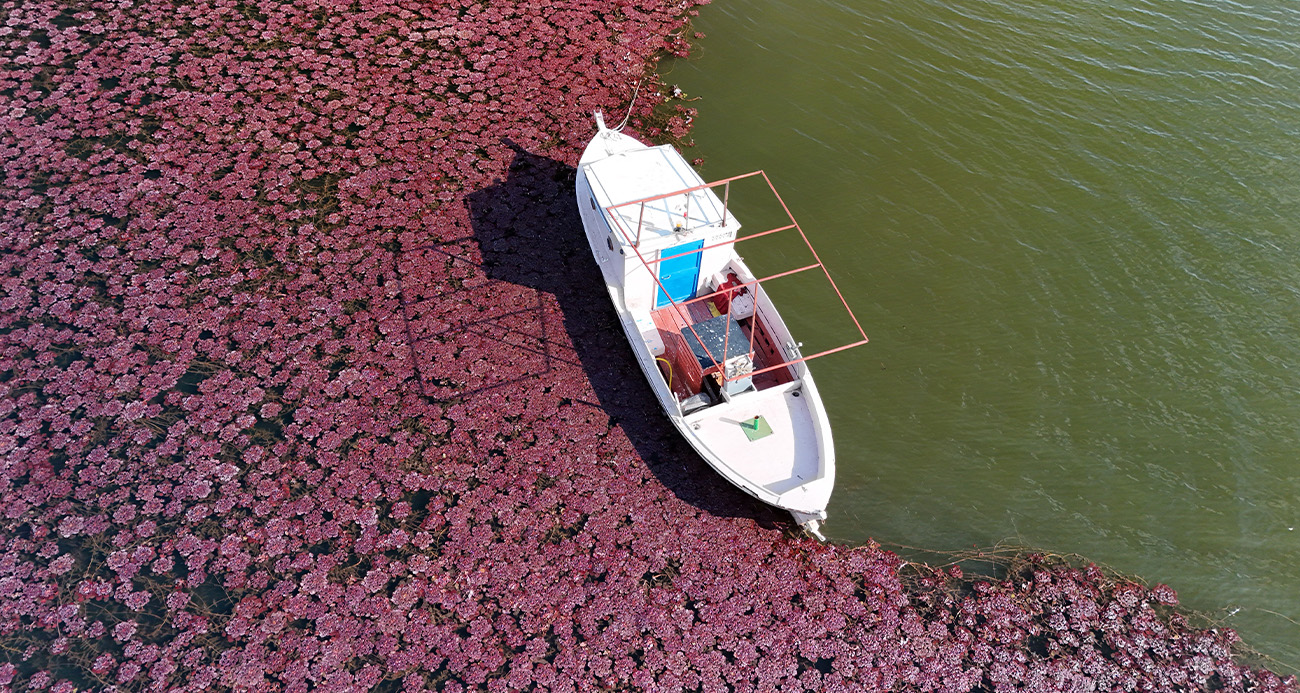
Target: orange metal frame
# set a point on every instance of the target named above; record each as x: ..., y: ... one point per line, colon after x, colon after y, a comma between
x: 635, y: 242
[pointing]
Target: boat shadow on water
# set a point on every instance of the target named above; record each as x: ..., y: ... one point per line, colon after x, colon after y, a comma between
x: 529, y: 236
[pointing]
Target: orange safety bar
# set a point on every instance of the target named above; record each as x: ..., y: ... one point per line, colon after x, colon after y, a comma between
x: 755, y: 282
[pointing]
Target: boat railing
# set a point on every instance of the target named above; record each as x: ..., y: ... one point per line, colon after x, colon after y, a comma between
x: 634, y: 241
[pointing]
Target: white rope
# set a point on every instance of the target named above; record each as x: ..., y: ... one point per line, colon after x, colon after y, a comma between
x: 629, y: 106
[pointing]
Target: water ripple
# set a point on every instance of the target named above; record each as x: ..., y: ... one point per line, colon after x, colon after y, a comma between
x: 1071, y: 229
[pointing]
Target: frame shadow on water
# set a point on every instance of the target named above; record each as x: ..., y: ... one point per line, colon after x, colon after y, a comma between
x: 530, y: 236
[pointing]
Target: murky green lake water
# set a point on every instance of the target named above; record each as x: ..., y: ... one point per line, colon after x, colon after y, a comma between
x: 1072, y: 231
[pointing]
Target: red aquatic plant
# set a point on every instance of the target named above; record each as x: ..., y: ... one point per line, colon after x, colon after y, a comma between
x: 302, y: 386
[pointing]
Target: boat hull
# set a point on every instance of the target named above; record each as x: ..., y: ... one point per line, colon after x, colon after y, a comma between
x: 790, y: 462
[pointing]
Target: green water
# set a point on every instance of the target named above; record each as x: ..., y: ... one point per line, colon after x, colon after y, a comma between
x: 1072, y: 231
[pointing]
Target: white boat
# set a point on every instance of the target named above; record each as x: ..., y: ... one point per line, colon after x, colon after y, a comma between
x: 718, y: 356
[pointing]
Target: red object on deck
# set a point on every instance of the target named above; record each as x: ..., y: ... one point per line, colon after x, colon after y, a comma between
x: 728, y: 290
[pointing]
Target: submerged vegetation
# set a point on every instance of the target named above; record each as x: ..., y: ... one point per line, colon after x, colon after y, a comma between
x: 303, y: 385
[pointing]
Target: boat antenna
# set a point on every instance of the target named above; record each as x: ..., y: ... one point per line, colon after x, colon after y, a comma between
x: 630, y: 105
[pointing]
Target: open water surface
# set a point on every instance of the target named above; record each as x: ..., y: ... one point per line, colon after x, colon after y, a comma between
x: 1072, y: 232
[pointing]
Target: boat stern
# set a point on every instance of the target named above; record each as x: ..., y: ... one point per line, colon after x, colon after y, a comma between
x: 810, y: 523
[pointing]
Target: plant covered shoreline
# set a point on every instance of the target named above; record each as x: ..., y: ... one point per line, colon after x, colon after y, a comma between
x: 304, y: 385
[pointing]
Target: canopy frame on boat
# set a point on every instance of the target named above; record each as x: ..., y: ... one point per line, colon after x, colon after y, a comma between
x: 633, y: 240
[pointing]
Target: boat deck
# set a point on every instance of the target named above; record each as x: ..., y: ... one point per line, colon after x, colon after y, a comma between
x: 780, y: 461
x: 765, y: 353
